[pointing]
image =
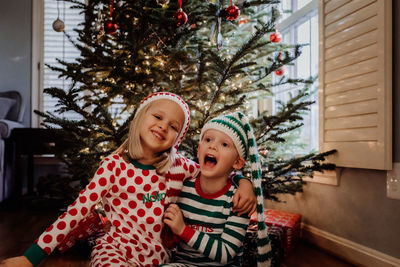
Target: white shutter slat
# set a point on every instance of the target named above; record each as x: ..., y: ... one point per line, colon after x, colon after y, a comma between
x: 355, y: 82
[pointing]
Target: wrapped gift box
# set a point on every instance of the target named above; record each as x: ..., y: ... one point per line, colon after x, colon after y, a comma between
x: 289, y: 222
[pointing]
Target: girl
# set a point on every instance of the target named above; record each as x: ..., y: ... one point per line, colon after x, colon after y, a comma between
x: 133, y: 184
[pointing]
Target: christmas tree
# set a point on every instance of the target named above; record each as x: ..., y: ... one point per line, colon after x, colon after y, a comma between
x: 216, y: 61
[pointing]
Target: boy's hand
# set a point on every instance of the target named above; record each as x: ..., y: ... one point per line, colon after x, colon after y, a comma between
x: 244, y: 200
x: 20, y: 261
x: 174, y: 219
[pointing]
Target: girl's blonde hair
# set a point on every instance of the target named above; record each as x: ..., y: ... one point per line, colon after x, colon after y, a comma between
x: 132, y: 146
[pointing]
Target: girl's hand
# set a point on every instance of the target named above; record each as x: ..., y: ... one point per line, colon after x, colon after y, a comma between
x: 174, y: 219
x: 244, y: 200
x: 20, y: 261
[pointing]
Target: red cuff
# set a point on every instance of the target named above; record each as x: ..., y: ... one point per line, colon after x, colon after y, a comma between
x: 187, y: 234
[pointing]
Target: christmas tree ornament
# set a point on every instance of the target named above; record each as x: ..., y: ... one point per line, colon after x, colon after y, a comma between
x: 58, y: 24
x: 162, y: 2
x: 280, y: 71
x: 219, y: 36
x: 232, y: 12
x: 110, y: 27
x: 180, y: 16
x: 275, y: 37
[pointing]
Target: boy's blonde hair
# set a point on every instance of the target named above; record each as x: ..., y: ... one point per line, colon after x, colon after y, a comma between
x: 132, y: 147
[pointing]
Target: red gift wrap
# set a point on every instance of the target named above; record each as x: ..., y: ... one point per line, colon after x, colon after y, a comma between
x: 289, y: 222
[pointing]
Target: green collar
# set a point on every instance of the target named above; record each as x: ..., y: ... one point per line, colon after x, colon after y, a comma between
x: 139, y: 165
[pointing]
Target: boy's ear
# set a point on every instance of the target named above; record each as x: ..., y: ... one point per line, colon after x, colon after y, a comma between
x: 239, y: 163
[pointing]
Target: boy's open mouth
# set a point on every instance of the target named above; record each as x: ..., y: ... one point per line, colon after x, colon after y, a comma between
x: 210, y: 161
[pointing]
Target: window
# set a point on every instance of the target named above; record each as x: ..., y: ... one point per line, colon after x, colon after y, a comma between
x: 300, y: 26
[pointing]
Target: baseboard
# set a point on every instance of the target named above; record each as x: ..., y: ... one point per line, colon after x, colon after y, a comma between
x: 346, y: 249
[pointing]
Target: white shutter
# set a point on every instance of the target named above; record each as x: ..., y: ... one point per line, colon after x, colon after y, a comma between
x: 56, y: 45
x: 355, y: 82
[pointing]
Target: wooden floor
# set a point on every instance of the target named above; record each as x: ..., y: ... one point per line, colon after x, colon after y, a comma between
x: 18, y: 229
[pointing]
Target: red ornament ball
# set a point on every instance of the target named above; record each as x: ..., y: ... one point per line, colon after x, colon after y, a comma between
x: 275, y: 37
x: 280, y: 71
x: 110, y: 27
x: 232, y: 12
x: 180, y: 17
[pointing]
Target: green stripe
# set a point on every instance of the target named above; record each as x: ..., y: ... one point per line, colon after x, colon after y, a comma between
x: 218, y: 255
x: 208, y: 247
x: 236, y: 224
x: 240, y: 136
x: 196, y: 245
x: 234, y: 234
x: 263, y: 242
x: 193, y: 197
x: 264, y: 257
x: 213, y: 214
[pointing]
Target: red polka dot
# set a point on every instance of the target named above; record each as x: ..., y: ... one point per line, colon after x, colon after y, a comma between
x: 161, y: 186
x: 72, y: 223
x: 141, y: 258
x: 112, y: 179
x: 122, y: 181
x: 134, y: 218
x: 115, y: 156
x: 131, y: 189
x: 123, y: 240
x: 92, y: 185
x: 93, y: 196
x: 51, y: 226
x: 150, y: 220
x: 157, y: 211
x: 150, y: 235
x: 140, y: 196
x: 148, y: 240
x: 47, y: 250
x: 84, y: 210
x: 147, y: 187
x: 106, y: 207
x: 82, y: 199
x: 118, y: 171
x: 116, y: 223
x: 162, y: 255
x: 158, y: 248
x: 157, y: 228
x: 138, y: 180
x: 103, y: 193
x: 138, y: 249
x: 114, y: 189
x: 125, y: 210
x: 149, y: 205
x: 111, y: 166
x: 47, y: 239
x: 130, y: 224
x: 191, y: 169
x: 126, y: 230
x: 115, y: 261
x: 61, y: 225
x: 63, y: 215
x: 109, y: 240
x: 185, y: 167
x: 141, y: 212
x: 116, y: 202
x: 73, y: 212
x: 155, y: 262
x: 130, y: 173
x: 123, y: 166
x: 102, y: 181
x: 136, y: 236
x: 132, y: 204
x: 145, y: 172
x: 124, y: 196
x: 83, y: 191
x: 154, y: 178
x: 143, y: 228
x: 60, y: 238
x: 100, y: 171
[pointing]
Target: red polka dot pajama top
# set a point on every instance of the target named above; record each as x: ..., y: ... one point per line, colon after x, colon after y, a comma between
x: 133, y: 196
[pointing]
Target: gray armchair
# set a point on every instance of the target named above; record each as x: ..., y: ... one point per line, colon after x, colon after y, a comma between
x: 12, y: 109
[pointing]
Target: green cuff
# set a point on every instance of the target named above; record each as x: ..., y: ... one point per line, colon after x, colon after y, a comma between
x: 35, y: 254
x: 236, y: 179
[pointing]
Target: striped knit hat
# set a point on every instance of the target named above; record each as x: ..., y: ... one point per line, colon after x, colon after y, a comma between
x: 237, y: 127
x: 173, y: 97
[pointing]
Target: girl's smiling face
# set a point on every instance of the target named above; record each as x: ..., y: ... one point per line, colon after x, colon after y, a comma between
x: 160, y: 126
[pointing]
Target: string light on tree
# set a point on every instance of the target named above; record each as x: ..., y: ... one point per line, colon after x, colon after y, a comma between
x: 110, y: 27
x: 180, y: 16
x: 232, y: 12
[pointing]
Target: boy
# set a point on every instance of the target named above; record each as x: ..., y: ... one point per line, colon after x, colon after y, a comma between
x: 212, y: 234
